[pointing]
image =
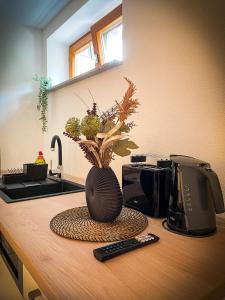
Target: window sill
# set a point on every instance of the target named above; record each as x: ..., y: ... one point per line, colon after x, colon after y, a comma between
x: 86, y: 75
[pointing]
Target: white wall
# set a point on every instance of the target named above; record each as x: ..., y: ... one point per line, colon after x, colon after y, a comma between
x: 57, y: 61
x: 173, y: 51
x: 20, y: 59
x: 61, y: 18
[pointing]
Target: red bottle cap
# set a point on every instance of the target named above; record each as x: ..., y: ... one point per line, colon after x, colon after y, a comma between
x: 40, y: 153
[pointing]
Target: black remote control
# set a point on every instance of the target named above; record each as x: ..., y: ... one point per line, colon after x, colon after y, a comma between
x: 115, y: 249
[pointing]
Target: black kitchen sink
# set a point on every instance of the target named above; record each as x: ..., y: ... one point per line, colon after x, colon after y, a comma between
x: 15, y: 192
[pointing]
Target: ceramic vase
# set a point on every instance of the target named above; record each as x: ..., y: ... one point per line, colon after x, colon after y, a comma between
x: 103, y: 194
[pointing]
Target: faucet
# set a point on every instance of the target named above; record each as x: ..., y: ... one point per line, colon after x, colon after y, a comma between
x: 58, y: 171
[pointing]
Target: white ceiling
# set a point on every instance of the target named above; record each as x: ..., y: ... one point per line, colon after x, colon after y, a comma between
x: 35, y: 13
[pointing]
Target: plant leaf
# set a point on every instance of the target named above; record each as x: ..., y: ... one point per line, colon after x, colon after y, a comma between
x: 123, y: 128
x: 132, y: 145
x: 112, y: 131
x: 108, y: 126
x: 110, y: 141
x: 122, y: 147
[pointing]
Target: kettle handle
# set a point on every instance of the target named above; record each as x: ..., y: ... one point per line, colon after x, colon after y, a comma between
x: 215, y: 189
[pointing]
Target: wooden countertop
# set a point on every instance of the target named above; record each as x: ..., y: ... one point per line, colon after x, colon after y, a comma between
x: 176, y: 267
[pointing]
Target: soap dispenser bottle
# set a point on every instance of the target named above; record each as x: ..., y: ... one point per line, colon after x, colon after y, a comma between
x: 40, y: 158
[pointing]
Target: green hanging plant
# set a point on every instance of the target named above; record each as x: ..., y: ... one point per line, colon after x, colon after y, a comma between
x: 42, y: 106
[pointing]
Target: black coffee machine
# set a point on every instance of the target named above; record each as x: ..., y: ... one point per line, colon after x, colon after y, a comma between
x: 196, y: 197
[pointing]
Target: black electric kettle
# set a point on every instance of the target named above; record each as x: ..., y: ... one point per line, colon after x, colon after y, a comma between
x: 196, y: 197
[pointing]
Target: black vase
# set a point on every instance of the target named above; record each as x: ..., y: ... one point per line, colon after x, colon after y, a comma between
x: 103, y: 194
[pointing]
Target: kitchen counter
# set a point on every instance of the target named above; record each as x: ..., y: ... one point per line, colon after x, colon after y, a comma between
x: 176, y: 267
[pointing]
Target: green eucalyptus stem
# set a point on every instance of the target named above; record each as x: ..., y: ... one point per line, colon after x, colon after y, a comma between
x: 42, y: 106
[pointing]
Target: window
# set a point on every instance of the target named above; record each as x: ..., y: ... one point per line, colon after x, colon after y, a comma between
x: 112, y: 47
x: 99, y: 46
x: 84, y: 59
x: 81, y: 56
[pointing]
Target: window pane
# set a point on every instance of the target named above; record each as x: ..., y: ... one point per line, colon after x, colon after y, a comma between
x: 112, y: 43
x: 84, y: 60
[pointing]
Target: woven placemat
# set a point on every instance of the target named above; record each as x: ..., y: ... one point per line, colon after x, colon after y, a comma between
x: 77, y: 224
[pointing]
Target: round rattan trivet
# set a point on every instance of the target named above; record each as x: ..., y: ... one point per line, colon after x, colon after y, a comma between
x: 77, y: 224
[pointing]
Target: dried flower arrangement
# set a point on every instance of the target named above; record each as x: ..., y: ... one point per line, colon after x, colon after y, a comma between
x: 106, y: 134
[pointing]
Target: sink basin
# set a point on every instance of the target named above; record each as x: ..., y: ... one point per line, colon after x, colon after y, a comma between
x: 11, y: 193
